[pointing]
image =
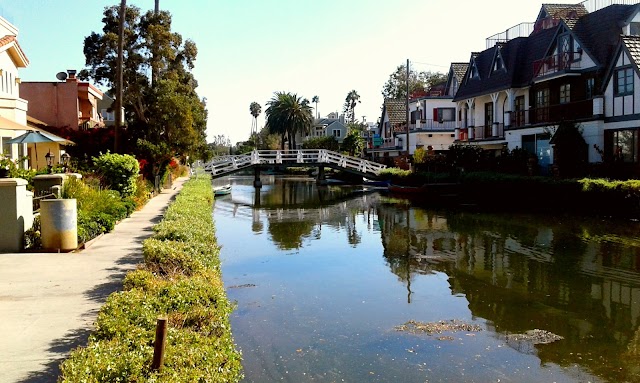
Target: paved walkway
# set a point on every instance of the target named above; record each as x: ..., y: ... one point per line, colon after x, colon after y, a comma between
x: 49, y: 302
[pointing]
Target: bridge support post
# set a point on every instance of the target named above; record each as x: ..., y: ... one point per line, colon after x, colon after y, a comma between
x: 320, y: 179
x: 256, y: 178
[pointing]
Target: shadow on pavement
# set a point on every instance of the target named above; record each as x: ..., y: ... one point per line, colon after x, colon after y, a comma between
x: 62, y: 347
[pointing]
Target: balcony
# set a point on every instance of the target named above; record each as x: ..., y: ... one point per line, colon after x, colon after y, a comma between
x: 562, y: 62
x: 552, y: 114
x: 482, y: 133
x: 432, y: 125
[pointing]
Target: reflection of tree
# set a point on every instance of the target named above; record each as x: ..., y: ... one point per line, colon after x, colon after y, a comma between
x: 289, y: 235
x: 353, y: 237
x: 575, y: 279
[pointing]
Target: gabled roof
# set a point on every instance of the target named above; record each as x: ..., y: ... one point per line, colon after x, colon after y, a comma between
x: 327, y: 122
x: 562, y: 11
x: 599, y: 31
x: 629, y: 45
x: 10, y: 43
x: 459, y: 69
x: 396, y: 111
x: 487, y: 82
x: 633, y: 46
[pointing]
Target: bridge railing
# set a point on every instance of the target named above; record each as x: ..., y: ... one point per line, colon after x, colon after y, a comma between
x: 228, y: 164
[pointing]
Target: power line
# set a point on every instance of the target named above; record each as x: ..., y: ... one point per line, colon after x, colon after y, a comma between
x: 441, y: 66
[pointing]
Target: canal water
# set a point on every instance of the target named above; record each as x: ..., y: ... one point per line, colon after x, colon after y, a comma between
x: 325, y: 278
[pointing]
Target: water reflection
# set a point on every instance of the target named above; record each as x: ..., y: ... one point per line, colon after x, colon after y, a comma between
x: 363, y: 265
x: 573, y: 278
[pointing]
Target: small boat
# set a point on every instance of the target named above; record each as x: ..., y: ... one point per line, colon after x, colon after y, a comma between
x: 376, y: 183
x: 222, y: 190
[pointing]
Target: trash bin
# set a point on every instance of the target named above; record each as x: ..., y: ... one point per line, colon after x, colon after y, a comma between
x: 59, y: 224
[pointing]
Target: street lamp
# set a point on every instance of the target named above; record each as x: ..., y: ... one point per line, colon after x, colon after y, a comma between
x: 49, y: 157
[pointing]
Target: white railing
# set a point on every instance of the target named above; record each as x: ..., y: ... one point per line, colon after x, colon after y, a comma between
x: 228, y: 164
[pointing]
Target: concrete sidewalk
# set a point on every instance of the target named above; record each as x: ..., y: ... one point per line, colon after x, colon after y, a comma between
x: 49, y: 302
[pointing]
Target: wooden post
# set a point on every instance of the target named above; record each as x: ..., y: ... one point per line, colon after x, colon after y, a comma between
x: 158, y: 349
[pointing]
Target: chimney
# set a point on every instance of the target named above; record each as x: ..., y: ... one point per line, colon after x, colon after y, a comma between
x: 72, y: 75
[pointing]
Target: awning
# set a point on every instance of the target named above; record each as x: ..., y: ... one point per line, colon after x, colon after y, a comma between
x: 7, y: 124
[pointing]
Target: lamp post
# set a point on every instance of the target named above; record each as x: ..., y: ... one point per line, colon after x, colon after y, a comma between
x: 49, y: 157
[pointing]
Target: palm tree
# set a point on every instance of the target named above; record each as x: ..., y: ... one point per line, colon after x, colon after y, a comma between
x: 288, y: 114
x: 316, y: 100
x: 255, y: 110
x: 353, y: 98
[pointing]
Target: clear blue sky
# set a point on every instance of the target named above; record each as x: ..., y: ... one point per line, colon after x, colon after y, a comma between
x: 248, y: 49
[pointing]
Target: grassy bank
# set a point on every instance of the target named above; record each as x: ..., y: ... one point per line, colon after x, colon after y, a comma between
x: 181, y: 280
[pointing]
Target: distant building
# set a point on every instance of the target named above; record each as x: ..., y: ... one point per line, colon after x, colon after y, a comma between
x: 68, y: 103
x: 107, y: 111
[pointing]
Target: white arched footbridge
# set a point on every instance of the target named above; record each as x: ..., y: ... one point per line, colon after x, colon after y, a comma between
x: 321, y: 158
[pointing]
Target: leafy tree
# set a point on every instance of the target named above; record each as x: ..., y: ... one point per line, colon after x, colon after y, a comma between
x: 327, y: 142
x: 165, y: 118
x: 419, y: 83
x: 220, y: 145
x: 353, y: 143
x: 353, y: 99
x: 316, y: 100
x: 288, y: 114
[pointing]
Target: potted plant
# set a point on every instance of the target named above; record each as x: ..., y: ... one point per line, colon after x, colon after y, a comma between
x: 6, y: 164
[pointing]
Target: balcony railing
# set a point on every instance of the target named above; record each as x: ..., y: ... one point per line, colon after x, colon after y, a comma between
x: 552, y: 114
x: 432, y: 125
x: 557, y: 63
x: 480, y: 133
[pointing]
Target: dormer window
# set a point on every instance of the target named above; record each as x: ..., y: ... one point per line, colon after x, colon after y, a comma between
x: 498, y: 62
x: 634, y: 29
x: 473, y: 70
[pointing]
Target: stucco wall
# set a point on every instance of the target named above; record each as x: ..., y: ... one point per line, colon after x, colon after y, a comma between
x: 55, y: 104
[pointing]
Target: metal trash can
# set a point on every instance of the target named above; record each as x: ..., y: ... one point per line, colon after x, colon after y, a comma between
x: 59, y: 224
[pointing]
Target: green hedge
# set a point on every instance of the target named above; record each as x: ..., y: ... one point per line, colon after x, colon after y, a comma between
x: 181, y: 280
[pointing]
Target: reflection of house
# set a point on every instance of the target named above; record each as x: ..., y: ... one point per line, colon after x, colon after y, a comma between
x: 70, y: 103
x: 573, y: 65
x: 327, y: 127
x: 13, y: 109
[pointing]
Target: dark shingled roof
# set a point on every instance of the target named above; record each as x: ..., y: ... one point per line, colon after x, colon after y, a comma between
x: 599, y: 31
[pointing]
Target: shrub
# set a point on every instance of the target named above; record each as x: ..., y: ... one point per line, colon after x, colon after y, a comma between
x: 119, y: 172
x: 180, y: 279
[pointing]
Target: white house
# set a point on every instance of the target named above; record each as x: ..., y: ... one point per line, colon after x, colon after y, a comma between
x: 574, y: 65
x: 13, y: 109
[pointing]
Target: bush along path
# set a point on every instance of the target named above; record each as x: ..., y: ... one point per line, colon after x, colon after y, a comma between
x: 180, y: 280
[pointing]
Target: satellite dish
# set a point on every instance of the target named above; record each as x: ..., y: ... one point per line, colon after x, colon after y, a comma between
x: 61, y: 76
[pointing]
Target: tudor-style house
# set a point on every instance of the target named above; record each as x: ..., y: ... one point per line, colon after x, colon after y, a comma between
x: 574, y: 63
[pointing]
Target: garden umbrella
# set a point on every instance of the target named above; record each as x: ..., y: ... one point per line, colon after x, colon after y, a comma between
x: 36, y: 136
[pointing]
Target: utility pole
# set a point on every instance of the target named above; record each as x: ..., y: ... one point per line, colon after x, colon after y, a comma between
x: 119, y: 80
x: 408, y: 119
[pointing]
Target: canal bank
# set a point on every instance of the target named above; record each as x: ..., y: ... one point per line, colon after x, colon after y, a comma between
x: 49, y: 301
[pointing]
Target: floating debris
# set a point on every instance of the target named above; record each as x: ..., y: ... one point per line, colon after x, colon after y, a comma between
x: 242, y: 286
x: 430, y: 328
x: 535, y: 336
